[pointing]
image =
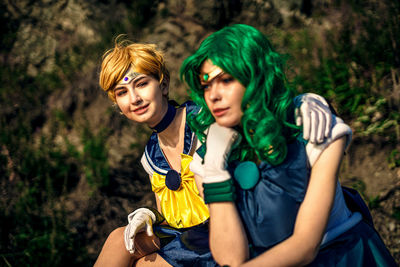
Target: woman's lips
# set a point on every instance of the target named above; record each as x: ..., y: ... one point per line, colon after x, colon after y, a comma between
x: 141, y: 110
x: 218, y: 112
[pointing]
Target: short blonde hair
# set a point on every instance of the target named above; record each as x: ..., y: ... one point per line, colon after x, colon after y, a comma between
x: 144, y: 58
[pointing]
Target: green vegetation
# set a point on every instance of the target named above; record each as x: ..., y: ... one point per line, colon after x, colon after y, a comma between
x: 354, y: 65
x: 94, y: 159
x: 396, y: 213
x: 372, y: 202
x: 38, y: 174
x: 394, y: 159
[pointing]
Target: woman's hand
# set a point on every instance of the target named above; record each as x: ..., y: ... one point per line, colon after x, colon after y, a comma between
x: 313, y: 113
x: 140, y: 220
x: 219, y: 143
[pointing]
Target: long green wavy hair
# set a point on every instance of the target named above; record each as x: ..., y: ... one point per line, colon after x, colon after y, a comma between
x: 247, y: 55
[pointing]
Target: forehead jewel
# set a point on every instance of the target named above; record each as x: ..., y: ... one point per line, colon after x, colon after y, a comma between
x: 129, y: 76
x: 206, y: 77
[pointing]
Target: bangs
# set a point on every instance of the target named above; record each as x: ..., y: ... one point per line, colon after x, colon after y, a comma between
x: 147, y: 67
x: 115, y: 65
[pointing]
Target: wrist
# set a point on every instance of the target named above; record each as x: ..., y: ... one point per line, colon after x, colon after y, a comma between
x: 223, y: 191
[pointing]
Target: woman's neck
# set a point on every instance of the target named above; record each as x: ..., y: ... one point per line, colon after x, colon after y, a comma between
x: 172, y: 135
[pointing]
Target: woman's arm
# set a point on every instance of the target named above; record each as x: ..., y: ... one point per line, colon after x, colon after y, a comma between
x: 302, y: 247
x: 222, y: 242
x: 227, y: 235
x: 199, y: 185
x: 228, y: 240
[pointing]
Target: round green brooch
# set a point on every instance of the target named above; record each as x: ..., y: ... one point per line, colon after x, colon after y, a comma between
x: 247, y: 174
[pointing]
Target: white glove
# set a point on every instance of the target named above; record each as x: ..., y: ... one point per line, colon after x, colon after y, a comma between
x: 315, y: 116
x: 219, y: 143
x: 140, y: 220
x: 339, y: 129
x: 196, y: 165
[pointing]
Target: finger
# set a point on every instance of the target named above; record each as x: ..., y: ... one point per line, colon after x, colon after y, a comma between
x: 305, y: 114
x: 313, y: 131
x: 134, y: 229
x: 297, y: 117
x: 129, y: 243
x: 320, y: 128
x: 328, y: 127
x: 132, y: 234
x: 149, y: 228
x: 327, y: 117
x: 131, y: 246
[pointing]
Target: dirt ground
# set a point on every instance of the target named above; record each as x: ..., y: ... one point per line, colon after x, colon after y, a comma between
x: 365, y: 167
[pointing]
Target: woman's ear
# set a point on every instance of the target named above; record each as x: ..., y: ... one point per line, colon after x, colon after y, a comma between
x: 164, y: 86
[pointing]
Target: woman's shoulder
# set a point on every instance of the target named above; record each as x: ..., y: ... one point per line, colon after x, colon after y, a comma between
x: 296, y: 156
x: 191, y: 107
x: 152, y: 159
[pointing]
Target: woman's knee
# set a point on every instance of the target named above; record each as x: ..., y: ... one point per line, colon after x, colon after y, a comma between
x: 116, y: 237
x: 153, y: 259
x: 145, y: 246
x: 117, y: 233
x: 114, y: 252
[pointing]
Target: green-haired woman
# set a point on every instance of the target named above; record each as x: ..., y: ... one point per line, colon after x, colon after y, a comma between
x: 274, y: 199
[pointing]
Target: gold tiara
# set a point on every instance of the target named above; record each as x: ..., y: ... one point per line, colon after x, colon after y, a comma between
x: 206, y: 77
x: 129, y: 76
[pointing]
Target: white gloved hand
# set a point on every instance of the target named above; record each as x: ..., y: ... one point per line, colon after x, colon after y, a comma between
x: 219, y: 143
x: 140, y: 220
x: 315, y: 116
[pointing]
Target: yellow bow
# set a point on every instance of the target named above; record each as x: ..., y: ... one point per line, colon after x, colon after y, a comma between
x: 184, y: 207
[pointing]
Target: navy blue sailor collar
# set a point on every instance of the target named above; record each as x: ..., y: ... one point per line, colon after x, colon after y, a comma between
x: 154, y: 155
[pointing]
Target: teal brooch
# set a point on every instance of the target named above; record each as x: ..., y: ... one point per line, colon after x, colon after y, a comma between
x: 247, y: 174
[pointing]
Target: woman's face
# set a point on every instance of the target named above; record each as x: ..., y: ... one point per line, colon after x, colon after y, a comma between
x: 222, y: 93
x: 142, y: 98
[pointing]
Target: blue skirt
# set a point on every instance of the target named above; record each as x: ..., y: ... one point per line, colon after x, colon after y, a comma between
x: 360, y: 246
x: 185, y: 247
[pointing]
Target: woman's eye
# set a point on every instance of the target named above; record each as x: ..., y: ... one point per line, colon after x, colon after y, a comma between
x: 121, y: 92
x: 142, y: 84
x: 227, y: 79
x: 204, y: 86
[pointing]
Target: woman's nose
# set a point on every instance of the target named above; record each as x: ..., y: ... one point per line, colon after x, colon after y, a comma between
x: 214, y: 92
x: 134, y: 96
